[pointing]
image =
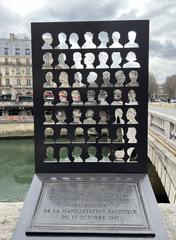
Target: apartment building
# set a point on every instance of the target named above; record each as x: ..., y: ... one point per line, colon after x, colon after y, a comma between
x: 15, y: 68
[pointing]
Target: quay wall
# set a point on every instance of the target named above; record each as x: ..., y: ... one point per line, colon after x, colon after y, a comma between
x: 16, y: 130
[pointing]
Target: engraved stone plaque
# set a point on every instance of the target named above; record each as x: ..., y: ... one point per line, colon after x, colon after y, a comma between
x: 90, y: 206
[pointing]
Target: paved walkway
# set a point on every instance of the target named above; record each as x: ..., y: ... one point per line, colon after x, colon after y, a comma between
x: 9, y: 212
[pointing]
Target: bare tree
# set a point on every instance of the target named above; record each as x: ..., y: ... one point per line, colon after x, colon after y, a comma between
x: 170, y: 86
x: 153, y: 86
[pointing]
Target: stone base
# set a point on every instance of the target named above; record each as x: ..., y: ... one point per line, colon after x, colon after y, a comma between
x: 11, y: 211
x: 128, y: 210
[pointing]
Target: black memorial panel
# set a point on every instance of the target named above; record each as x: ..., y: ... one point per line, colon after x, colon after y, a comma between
x: 90, y: 96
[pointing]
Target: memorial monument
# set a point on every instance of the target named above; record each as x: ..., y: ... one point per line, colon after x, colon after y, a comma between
x: 91, y: 156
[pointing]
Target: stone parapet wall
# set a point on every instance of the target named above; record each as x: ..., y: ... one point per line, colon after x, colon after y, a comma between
x: 164, y: 161
x: 163, y: 104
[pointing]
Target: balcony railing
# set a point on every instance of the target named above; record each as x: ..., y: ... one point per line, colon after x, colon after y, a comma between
x: 16, y: 86
x: 16, y: 64
x: 6, y: 86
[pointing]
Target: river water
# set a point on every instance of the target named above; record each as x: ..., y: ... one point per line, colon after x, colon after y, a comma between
x: 17, y: 170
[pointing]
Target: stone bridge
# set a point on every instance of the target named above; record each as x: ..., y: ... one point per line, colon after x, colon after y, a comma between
x: 162, y: 149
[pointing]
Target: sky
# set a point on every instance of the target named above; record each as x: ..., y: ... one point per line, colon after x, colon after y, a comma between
x: 16, y: 16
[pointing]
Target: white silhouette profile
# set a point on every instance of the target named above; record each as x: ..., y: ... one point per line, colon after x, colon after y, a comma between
x: 63, y: 79
x: 77, y: 151
x: 131, y: 98
x: 48, y: 60
x: 62, y: 44
x: 133, y: 75
x: 63, y: 98
x: 89, y: 117
x: 78, y: 83
x: 91, y: 152
x: 116, y: 60
x: 117, y: 97
x: 133, y: 155
x: 49, y: 83
x: 104, y: 39
x: 131, y: 116
x: 77, y: 58
x: 91, y: 78
x: 89, y: 40
x: 73, y: 40
x: 132, y: 38
x: 89, y: 60
x: 61, y: 62
x: 118, y: 116
x: 116, y: 38
x: 119, y: 155
x: 120, y: 77
x: 103, y: 58
x: 47, y: 38
x: 132, y: 61
x: 131, y: 135
x: 106, y: 79
x: 61, y: 117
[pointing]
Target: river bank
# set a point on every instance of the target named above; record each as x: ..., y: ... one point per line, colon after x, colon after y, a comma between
x: 9, y: 213
x: 16, y: 130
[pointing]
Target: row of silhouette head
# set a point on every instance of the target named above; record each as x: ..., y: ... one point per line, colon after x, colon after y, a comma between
x: 104, y: 117
x: 91, y: 135
x: 118, y: 155
x: 102, y: 98
x: 103, y: 41
x: 89, y: 59
x: 119, y: 75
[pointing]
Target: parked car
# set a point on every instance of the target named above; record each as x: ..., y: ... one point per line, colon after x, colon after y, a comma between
x: 157, y: 100
x: 173, y: 100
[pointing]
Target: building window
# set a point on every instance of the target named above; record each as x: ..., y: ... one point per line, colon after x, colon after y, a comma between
x: 27, y: 71
x: 17, y: 71
x: 7, y: 82
x: 27, y: 51
x: 17, y: 51
x: 27, y: 61
x: 18, y: 82
x: 6, y: 71
x: 28, y: 82
x: 6, y: 61
x: 6, y: 51
x: 18, y: 61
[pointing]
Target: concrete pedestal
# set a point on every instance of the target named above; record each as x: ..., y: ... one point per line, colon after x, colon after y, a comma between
x: 154, y: 227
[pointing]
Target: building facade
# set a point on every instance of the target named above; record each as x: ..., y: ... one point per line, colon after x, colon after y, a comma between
x: 15, y: 69
x: 15, y: 79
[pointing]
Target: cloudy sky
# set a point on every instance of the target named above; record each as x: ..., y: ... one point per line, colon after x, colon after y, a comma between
x: 16, y: 16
